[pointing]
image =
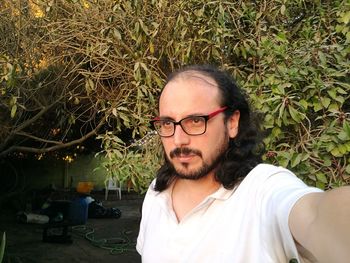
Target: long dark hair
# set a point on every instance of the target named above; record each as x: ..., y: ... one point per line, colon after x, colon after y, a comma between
x: 244, y: 151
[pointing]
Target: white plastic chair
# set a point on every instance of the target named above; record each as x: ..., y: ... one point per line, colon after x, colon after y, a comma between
x: 112, y: 184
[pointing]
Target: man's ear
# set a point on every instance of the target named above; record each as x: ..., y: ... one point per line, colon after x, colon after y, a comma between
x: 233, y: 123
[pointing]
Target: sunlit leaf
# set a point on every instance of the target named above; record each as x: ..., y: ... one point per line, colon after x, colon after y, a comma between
x: 13, y: 111
x: 325, y: 102
x: 283, y: 9
x: 114, y: 112
x: 335, y: 152
x: 117, y: 34
x: 321, y: 177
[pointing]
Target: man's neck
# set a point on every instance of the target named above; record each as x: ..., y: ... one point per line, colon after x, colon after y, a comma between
x: 187, y: 194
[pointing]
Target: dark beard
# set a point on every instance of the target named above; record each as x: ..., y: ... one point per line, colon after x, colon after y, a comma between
x: 200, y: 173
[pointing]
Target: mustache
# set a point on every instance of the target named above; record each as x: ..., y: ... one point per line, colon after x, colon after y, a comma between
x: 184, y: 151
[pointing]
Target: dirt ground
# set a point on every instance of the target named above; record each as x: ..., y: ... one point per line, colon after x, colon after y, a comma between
x: 100, y: 240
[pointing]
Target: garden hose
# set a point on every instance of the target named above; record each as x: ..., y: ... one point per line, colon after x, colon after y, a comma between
x: 115, y: 245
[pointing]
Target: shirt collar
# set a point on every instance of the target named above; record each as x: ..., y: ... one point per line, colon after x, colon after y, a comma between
x: 221, y: 194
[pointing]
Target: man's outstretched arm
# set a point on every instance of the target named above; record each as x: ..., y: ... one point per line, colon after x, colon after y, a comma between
x: 320, y: 222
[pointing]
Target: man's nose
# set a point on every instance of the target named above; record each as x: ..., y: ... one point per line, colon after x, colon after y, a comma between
x: 180, y: 137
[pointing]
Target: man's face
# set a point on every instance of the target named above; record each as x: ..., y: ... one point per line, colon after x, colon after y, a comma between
x: 189, y: 94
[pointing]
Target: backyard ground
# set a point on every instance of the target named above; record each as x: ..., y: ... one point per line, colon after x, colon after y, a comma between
x: 109, y: 239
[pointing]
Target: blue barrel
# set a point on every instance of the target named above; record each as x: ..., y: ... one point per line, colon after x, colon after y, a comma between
x: 78, y: 211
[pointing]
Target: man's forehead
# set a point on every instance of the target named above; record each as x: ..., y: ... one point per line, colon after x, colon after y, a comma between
x: 190, y: 78
x: 192, y: 75
x: 189, y: 93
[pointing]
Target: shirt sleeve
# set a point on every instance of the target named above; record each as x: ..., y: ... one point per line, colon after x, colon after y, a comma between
x: 144, y: 217
x: 280, y: 192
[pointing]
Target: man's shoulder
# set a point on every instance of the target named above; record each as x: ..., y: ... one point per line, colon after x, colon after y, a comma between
x: 266, y: 170
x: 268, y: 175
x: 151, y: 189
x: 153, y: 193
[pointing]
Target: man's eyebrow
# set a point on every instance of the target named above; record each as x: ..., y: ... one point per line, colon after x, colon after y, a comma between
x: 164, y: 118
x: 187, y: 116
x: 195, y: 115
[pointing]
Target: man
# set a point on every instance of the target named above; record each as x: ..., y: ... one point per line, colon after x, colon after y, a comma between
x: 213, y: 200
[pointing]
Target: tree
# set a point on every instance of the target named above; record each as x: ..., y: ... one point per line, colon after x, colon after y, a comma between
x: 44, y: 105
x: 97, y: 67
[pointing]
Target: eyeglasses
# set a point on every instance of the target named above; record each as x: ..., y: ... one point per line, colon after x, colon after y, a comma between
x: 191, y: 125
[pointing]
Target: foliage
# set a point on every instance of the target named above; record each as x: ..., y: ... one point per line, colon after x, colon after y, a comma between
x: 133, y: 165
x: 301, y: 84
x: 43, y: 104
x: 2, y: 246
x: 111, y: 57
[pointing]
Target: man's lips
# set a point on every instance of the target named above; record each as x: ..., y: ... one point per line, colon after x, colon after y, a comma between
x: 185, y: 157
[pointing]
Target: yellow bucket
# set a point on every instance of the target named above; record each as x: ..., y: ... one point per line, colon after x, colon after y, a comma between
x: 85, y: 187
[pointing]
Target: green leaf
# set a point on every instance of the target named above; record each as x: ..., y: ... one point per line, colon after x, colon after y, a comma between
x: 283, y: 158
x: 347, y: 145
x: 276, y: 131
x: 341, y: 91
x: 345, y: 18
x: 332, y: 93
x: 116, y: 34
x: 327, y: 162
x: 125, y: 118
x: 347, y: 169
x: 322, y: 58
x: 114, y: 112
x: 342, y: 149
x: 340, y: 99
x: 294, y: 114
x: 321, y: 177
x: 304, y: 104
x: 317, y: 106
x: 281, y: 36
x: 122, y: 108
x: 13, y: 111
x: 144, y: 27
x: 305, y: 156
x: 346, y: 128
x: 320, y: 185
x: 343, y: 136
x: 325, y: 102
x: 2, y: 246
x: 283, y: 9
x: 143, y: 65
x: 330, y: 147
x: 281, y: 111
x: 295, y: 159
x: 336, y: 153
x: 89, y: 85
x: 333, y: 107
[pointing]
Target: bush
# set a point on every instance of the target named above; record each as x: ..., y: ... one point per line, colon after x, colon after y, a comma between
x: 292, y: 58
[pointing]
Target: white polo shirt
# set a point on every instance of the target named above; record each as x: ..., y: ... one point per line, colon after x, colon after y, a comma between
x: 247, y: 224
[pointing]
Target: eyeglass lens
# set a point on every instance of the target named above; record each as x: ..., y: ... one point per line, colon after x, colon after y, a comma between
x: 195, y: 125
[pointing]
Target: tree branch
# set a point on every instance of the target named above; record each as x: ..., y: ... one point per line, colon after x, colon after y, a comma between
x: 25, y: 124
x: 37, y: 138
x: 53, y: 148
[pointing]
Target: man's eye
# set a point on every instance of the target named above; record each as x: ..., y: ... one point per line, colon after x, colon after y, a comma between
x: 166, y: 123
x: 196, y: 120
